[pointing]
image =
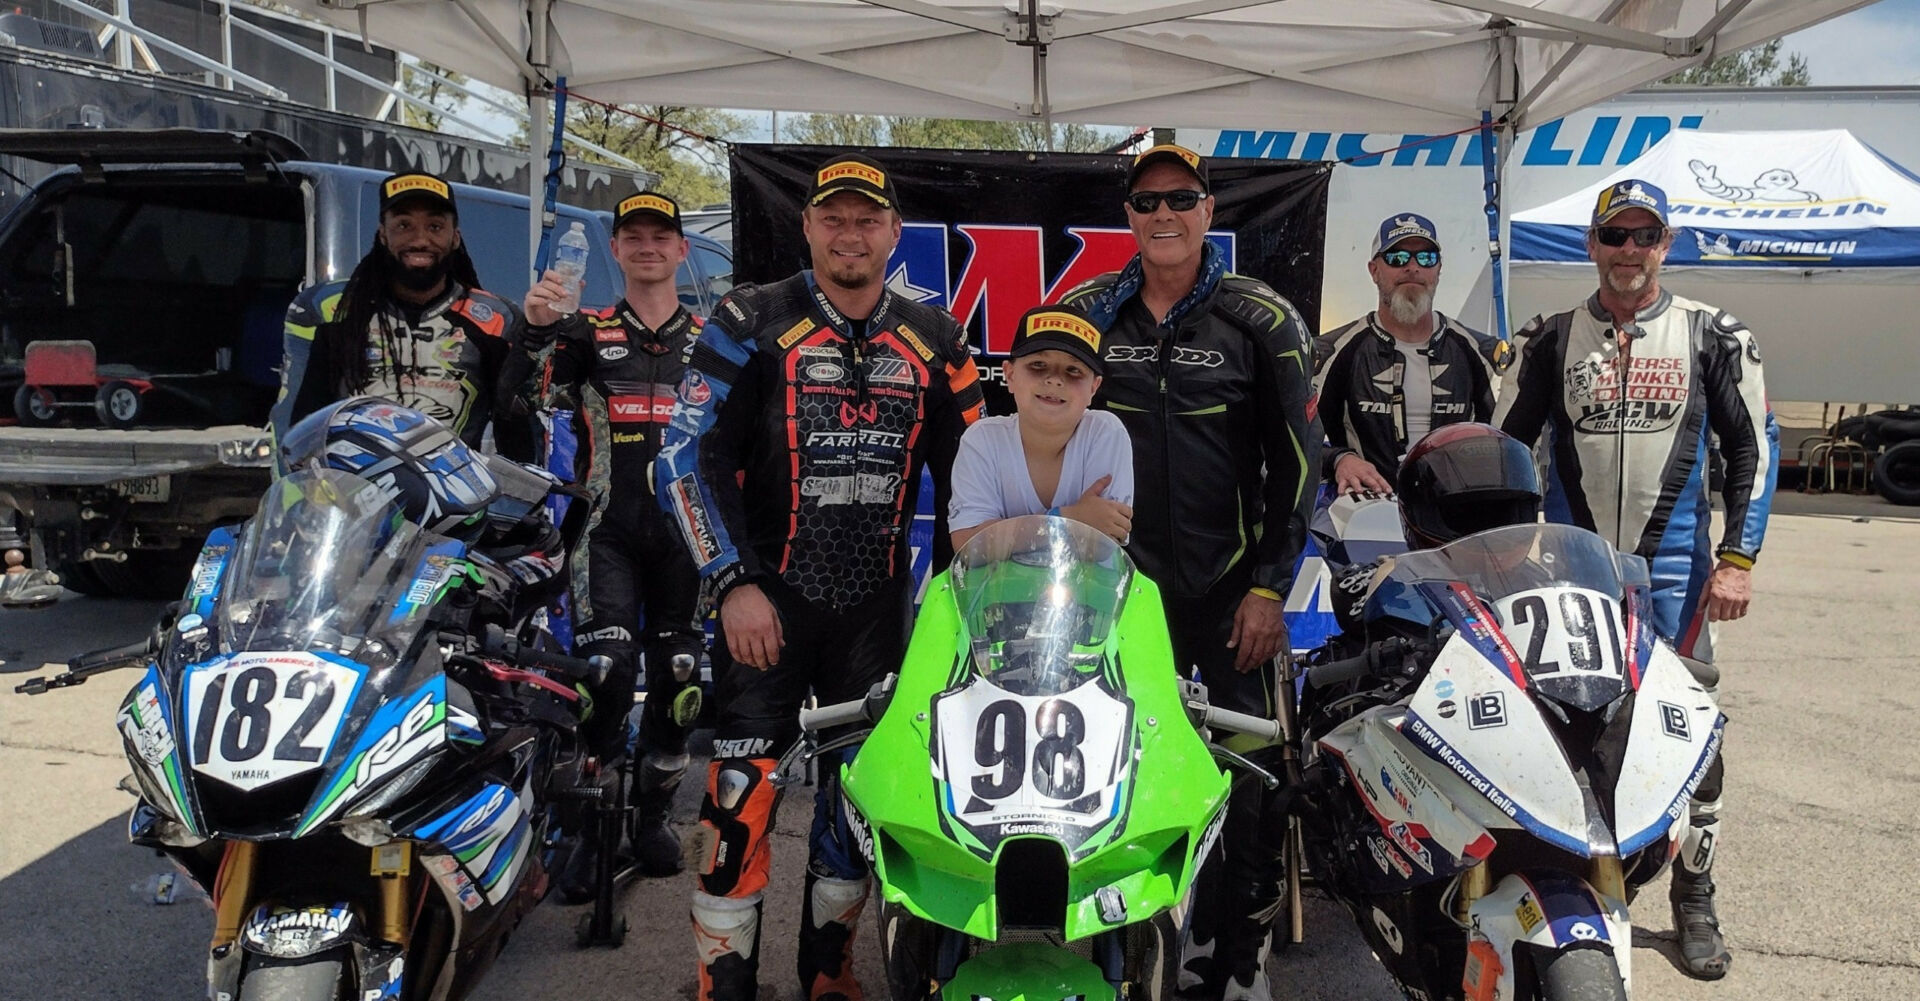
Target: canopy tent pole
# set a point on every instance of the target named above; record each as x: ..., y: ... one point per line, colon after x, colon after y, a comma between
x: 556, y: 162
x: 537, y: 110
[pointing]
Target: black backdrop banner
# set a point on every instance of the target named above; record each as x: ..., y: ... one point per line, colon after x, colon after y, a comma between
x: 988, y: 234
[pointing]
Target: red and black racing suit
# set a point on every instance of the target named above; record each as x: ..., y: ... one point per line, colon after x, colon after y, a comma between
x: 622, y: 376
x: 792, y: 463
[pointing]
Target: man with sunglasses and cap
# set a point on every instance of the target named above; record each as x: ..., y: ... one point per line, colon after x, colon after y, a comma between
x: 1620, y: 396
x: 1404, y: 369
x: 617, y: 369
x: 1208, y: 371
x: 411, y: 324
x: 808, y: 409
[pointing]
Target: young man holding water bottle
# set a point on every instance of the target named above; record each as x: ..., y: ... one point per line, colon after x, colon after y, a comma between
x: 618, y: 368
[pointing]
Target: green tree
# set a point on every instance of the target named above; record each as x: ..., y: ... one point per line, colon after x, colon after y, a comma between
x: 431, y: 88
x: 941, y: 133
x: 691, y: 169
x: 1759, y: 66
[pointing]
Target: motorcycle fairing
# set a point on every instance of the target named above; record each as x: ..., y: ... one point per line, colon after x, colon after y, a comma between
x: 208, y: 571
x: 401, y: 731
x: 922, y: 860
x: 1677, y: 730
x: 1485, y: 732
x: 1421, y: 836
x: 488, y: 834
x: 298, y: 932
x: 146, y: 724
x: 1027, y: 971
x: 440, y: 566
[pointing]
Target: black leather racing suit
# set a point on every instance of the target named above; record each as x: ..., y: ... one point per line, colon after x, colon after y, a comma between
x: 621, y: 376
x: 792, y: 463
x: 1359, y: 375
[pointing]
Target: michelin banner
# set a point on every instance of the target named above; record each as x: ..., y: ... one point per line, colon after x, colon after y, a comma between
x: 989, y: 234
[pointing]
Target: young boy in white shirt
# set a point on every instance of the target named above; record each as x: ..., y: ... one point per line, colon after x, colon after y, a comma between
x: 1053, y: 457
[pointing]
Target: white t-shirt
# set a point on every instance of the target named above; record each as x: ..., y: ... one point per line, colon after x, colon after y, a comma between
x: 991, y: 482
x: 1416, y: 387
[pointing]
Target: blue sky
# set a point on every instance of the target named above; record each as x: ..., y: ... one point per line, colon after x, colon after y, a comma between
x: 1879, y: 44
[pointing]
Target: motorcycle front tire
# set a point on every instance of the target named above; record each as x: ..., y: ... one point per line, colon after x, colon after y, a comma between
x: 314, y: 978
x: 1581, y: 975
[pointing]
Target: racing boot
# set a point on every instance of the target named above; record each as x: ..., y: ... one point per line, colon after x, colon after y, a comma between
x: 1246, y: 935
x: 829, y: 914
x: 1702, y: 948
x: 726, y: 938
x: 656, y: 848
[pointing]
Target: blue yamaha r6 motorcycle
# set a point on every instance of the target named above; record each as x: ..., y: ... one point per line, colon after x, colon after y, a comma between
x: 337, y: 738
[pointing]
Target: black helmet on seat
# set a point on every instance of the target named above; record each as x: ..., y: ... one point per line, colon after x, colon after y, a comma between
x: 1465, y: 478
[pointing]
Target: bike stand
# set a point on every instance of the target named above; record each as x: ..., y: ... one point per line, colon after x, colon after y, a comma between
x: 601, y: 926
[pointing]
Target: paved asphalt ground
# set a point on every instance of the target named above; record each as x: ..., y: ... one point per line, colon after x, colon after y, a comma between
x: 1819, y: 868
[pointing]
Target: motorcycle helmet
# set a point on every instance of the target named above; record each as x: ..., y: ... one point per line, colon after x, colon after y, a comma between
x: 1465, y: 478
x: 440, y: 483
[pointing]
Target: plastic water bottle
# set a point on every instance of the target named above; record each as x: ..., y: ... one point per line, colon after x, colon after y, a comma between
x: 570, y: 262
x: 166, y: 888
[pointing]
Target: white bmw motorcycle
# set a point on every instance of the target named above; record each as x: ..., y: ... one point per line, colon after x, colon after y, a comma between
x: 1484, y: 801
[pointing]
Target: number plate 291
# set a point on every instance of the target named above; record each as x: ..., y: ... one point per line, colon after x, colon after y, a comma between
x: 262, y: 717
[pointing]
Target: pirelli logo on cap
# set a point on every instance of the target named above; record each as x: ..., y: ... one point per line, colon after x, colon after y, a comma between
x: 1065, y: 323
x: 1192, y: 158
x: 794, y: 333
x: 650, y: 203
x: 919, y: 346
x: 397, y: 186
x: 850, y: 169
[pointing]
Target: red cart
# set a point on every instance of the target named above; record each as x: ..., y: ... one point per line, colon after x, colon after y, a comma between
x: 62, y: 375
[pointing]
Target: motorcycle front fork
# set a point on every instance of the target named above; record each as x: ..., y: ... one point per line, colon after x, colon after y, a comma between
x: 391, y: 865
x: 1604, y: 875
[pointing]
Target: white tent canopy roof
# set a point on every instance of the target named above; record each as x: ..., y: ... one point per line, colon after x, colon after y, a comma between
x: 1420, y: 66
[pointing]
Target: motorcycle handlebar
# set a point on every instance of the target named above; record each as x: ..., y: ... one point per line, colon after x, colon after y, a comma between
x: 1253, y: 726
x: 592, y: 670
x: 1337, y: 671
x: 861, y: 710
x: 1387, y: 658
x: 107, y: 660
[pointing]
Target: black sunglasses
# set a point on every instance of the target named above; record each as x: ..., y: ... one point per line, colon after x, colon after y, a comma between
x: 1616, y: 236
x: 1400, y: 258
x: 1144, y: 202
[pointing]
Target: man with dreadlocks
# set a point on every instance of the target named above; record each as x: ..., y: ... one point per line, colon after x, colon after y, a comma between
x: 411, y: 323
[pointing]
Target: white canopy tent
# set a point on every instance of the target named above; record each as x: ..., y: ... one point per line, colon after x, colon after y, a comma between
x: 1419, y: 66
x: 1810, y: 237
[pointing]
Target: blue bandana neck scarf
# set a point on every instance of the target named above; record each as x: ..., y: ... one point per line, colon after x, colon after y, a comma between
x: 1106, y: 306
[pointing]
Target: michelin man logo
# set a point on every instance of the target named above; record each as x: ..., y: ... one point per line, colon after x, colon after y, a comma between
x: 1776, y: 185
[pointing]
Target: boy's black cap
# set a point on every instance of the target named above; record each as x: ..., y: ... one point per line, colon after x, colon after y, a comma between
x: 648, y: 203
x: 412, y: 185
x: 1052, y: 328
x: 1187, y: 159
x: 856, y: 173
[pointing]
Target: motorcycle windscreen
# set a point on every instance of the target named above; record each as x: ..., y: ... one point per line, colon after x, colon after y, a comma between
x: 1557, y: 591
x: 312, y: 624
x: 1037, y: 738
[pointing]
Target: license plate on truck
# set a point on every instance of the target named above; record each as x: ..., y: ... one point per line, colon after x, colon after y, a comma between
x: 147, y: 489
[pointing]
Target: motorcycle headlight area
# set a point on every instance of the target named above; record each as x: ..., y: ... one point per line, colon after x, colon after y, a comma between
x: 362, y: 817
x: 296, y: 933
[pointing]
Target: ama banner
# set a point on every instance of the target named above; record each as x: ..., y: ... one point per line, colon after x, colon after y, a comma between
x: 989, y: 234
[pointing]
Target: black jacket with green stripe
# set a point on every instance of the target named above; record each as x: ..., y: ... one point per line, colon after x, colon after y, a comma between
x: 1225, y: 451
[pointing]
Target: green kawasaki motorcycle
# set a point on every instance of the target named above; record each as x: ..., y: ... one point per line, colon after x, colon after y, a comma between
x: 1038, y: 791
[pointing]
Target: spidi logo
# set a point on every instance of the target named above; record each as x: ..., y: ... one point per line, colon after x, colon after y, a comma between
x: 1005, y: 271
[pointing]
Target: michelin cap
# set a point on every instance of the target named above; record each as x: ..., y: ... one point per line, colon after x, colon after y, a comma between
x: 1630, y: 194
x: 1404, y: 226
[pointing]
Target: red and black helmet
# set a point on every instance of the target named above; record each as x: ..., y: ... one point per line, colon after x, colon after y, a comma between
x: 1465, y: 478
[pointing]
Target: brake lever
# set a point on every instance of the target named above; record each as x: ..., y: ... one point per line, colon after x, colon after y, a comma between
x: 1266, y: 778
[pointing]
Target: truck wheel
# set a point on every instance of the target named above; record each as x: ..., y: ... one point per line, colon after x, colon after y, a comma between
x: 34, y: 406
x: 1896, y: 474
x: 118, y: 404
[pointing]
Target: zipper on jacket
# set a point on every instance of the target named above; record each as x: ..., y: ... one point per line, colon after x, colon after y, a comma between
x: 1165, y: 364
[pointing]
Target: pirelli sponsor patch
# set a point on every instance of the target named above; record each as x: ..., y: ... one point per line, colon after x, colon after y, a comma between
x: 652, y: 203
x: 793, y: 334
x: 1065, y: 323
x: 919, y: 346
x: 415, y: 182
x: 850, y: 169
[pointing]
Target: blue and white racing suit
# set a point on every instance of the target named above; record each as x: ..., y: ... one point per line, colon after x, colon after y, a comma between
x: 1627, y: 457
